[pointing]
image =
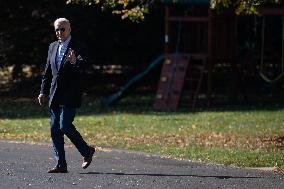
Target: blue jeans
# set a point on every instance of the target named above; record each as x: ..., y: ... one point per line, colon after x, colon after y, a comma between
x: 61, y: 119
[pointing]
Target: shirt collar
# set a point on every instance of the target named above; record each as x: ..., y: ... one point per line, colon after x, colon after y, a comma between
x: 66, y: 42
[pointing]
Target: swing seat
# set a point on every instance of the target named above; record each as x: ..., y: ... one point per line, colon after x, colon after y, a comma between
x: 269, y: 80
x: 262, y: 75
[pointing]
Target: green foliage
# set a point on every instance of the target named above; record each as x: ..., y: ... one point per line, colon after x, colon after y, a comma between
x: 131, y: 9
x: 242, y: 6
x: 135, y: 10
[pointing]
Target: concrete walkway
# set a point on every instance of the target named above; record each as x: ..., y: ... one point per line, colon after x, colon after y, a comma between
x: 25, y: 166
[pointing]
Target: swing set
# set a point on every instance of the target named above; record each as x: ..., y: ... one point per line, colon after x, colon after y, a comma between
x: 200, y: 48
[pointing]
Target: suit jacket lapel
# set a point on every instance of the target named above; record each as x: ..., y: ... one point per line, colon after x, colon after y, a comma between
x: 53, y: 55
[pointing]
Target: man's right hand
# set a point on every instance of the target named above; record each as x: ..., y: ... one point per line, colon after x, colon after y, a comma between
x: 40, y: 99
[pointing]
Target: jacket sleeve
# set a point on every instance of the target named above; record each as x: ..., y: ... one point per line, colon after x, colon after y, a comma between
x: 47, y: 74
x: 81, y: 63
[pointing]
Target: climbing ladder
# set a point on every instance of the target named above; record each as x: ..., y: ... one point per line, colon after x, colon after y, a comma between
x: 195, y: 75
x: 180, y: 69
x: 171, y: 81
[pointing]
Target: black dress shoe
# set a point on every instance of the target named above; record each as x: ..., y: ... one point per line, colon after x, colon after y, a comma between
x: 87, y: 160
x: 58, y: 170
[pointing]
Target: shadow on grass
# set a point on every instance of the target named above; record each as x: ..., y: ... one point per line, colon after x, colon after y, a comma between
x: 23, y: 108
x: 169, y: 175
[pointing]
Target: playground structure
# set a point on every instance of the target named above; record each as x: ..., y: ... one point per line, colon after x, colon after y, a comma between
x: 209, y: 49
x: 208, y: 54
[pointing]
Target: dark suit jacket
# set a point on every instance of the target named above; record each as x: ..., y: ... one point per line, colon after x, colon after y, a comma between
x: 64, y: 85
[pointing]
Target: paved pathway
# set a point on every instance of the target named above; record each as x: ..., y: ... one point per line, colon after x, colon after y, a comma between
x: 25, y: 165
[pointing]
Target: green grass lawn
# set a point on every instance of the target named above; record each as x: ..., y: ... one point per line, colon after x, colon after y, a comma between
x: 246, y: 136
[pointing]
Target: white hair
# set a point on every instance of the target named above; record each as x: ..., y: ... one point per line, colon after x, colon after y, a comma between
x: 62, y: 20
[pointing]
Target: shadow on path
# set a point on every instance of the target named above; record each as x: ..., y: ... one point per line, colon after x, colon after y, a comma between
x: 168, y: 175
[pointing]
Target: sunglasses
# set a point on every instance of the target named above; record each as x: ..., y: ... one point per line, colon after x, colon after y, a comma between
x: 60, y: 29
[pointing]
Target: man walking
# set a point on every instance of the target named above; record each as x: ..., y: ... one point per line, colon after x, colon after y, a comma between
x: 62, y: 81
